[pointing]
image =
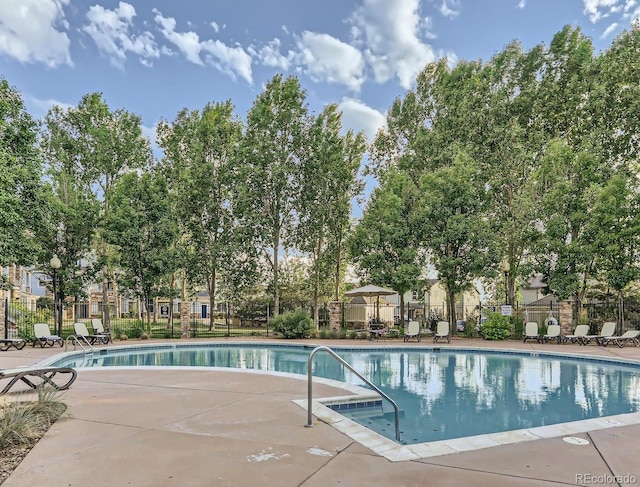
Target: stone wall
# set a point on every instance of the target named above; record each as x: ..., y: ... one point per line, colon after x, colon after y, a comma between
x: 185, y: 319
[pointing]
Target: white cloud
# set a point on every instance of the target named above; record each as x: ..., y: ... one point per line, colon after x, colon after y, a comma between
x: 30, y: 31
x: 270, y: 55
x: 631, y: 11
x: 110, y: 31
x: 388, y: 32
x: 361, y: 118
x: 609, y: 30
x: 39, y: 107
x: 233, y: 61
x: 450, y: 8
x: 325, y: 58
x: 230, y: 60
x: 215, y: 26
x: 522, y: 3
x: 597, y: 9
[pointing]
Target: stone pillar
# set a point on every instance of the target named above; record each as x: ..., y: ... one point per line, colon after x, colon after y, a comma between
x: 335, y: 315
x: 185, y: 318
x: 565, y: 318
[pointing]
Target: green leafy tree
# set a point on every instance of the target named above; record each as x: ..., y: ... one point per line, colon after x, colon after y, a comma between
x: 142, y: 227
x: 22, y: 198
x: 617, y: 236
x: 97, y: 146
x: 201, y: 163
x: 451, y: 216
x: 329, y: 183
x: 273, y: 156
x: 383, y: 244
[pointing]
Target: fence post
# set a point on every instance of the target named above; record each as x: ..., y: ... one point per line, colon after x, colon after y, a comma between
x: 6, y: 318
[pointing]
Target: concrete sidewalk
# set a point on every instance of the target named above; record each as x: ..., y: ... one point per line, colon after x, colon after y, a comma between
x: 209, y: 427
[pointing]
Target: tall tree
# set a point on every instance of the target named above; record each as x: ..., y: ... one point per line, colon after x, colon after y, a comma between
x: 201, y: 162
x: 329, y: 183
x: 22, y: 202
x: 615, y: 229
x: 142, y: 227
x: 452, y: 217
x: 384, y: 244
x: 273, y: 154
x: 96, y: 146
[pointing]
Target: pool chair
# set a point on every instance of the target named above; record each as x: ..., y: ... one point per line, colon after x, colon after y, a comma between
x: 43, y: 337
x: 579, y: 333
x: 608, y: 330
x: 531, y: 331
x: 412, y: 331
x: 80, y: 332
x: 39, y: 376
x: 621, y: 341
x: 553, y: 333
x: 442, y: 331
x: 98, y: 329
x: 7, y: 343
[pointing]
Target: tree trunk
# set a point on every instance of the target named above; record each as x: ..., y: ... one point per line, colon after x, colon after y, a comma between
x: 451, y: 299
x: 276, y: 294
x: 620, y: 312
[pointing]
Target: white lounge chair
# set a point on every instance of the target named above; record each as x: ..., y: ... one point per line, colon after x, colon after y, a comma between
x: 608, y: 329
x: 531, y: 331
x: 621, y: 341
x: 43, y: 337
x: 412, y: 331
x: 37, y: 376
x: 442, y: 331
x: 579, y: 333
x: 98, y: 329
x: 80, y: 332
x: 553, y: 333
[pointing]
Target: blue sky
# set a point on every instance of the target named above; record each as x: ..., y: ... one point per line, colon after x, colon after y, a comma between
x: 155, y: 57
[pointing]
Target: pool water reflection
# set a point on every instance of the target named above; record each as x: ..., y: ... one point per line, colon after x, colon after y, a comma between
x: 441, y: 394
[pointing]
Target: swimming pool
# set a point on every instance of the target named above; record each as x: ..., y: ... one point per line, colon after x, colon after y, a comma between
x: 442, y: 393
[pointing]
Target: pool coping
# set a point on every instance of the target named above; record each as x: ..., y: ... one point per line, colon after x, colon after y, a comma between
x: 379, y: 444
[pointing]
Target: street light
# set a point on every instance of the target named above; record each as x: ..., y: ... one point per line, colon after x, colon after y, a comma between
x: 505, y: 268
x: 55, y: 265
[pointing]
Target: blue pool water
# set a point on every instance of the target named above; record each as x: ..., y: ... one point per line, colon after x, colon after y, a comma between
x: 442, y: 394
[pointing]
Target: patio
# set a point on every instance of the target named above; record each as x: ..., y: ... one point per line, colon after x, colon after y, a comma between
x: 209, y: 427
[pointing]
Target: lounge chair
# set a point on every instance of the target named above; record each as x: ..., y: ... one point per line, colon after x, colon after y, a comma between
x: 98, y: 329
x: 442, y: 331
x: 37, y: 376
x: 43, y: 336
x: 80, y: 332
x: 7, y: 343
x: 412, y: 331
x: 608, y: 329
x: 553, y: 333
x: 621, y: 341
x: 579, y: 333
x: 531, y: 331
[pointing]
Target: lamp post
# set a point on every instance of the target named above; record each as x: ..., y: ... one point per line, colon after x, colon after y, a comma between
x: 505, y: 268
x: 57, y: 318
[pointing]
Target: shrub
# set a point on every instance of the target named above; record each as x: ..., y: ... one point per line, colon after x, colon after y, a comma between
x: 352, y: 335
x: 293, y: 324
x: 497, y: 327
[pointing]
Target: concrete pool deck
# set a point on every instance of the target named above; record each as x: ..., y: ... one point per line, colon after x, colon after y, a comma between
x: 210, y: 427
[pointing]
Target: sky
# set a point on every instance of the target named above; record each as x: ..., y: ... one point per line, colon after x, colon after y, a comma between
x: 156, y: 57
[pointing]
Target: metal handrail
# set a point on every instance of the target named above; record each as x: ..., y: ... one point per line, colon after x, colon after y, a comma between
x: 348, y: 366
x: 76, y: 339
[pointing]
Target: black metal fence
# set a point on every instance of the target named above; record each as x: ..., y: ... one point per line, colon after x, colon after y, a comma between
x: 253, y: 318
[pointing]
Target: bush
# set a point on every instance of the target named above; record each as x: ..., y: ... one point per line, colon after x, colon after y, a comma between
x: 497, y: 327
x: 293, y: 324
